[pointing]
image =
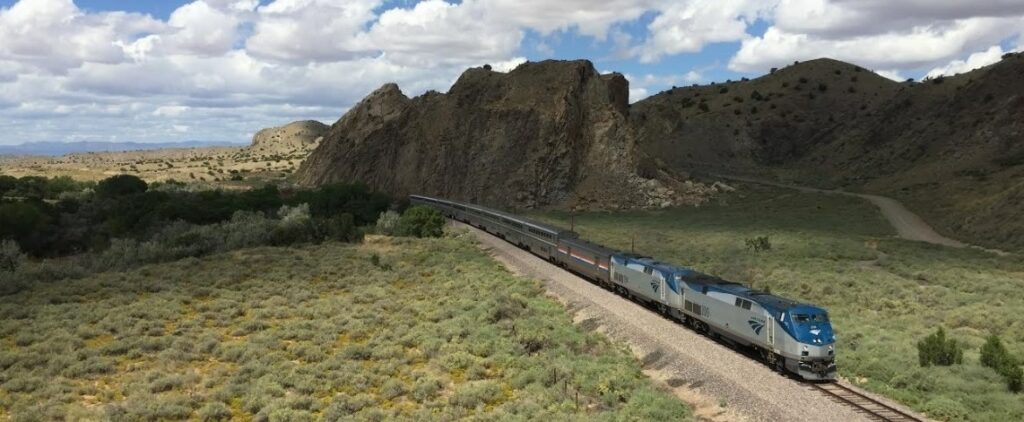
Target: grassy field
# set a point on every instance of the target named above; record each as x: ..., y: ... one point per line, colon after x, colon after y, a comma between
x: 884, y: 294
x: 395, y: 328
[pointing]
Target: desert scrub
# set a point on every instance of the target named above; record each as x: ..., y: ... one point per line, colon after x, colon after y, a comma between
x: 883, y: 294
x: 314, y: 332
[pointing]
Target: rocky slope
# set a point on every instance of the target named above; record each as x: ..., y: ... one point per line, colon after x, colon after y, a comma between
x: 550, y: 133
x: 293, y: 137
x: 952, y: 148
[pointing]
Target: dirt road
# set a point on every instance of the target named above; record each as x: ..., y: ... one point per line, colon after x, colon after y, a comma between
x: 718, y: 382
x: 908, y: 225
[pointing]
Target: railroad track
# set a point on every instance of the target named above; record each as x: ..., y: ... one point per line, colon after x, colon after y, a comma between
x: 870, y: 407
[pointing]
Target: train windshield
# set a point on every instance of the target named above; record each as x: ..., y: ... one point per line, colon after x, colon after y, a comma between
x: 810, y: 318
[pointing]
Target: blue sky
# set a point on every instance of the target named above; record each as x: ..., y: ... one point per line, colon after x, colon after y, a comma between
x: 219, y: 70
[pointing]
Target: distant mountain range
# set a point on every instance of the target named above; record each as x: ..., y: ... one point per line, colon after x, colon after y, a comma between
x: 62, y: 148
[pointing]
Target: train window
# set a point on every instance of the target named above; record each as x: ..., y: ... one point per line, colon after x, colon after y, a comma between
x: 648, y: 270
x: 746, y: 304
x: 704, y: 290
x: 739, y: 302
x: 819, y: 318
x: 800, y: 318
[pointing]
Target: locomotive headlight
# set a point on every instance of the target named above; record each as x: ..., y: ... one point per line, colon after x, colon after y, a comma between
x: 831, y: 347
x: 805, y: 347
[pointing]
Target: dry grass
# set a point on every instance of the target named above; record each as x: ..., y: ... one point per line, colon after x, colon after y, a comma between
x: 220, y: 166
x: 440, y: 332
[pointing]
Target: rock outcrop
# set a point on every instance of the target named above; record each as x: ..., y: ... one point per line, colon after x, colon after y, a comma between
x: 295, y: 136
x: 551, y: 133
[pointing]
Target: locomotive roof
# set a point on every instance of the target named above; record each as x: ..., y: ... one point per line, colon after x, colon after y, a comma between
x: 773, y: 303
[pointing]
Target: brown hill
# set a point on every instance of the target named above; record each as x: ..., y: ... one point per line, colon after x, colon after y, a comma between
x: 548, y: 133
x: 293, y: 137
x: 952, y: 147
x: 768, y: 121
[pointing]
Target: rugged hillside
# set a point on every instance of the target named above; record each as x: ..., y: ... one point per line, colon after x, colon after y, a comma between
x: 768, y: 121
x: 293, y: 137
x: 551, y: 133
x: 951, y: 147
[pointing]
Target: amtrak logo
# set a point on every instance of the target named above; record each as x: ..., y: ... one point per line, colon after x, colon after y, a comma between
x: 756, y: 325
x: 654, y: 286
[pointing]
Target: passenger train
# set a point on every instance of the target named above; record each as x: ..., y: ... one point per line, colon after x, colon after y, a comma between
x: 788, y: 335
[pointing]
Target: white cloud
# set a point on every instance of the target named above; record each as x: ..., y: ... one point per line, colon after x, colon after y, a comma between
x: 202, y: 29
x: 892, y: 74
x: 224, y: 68
x: 688, y: 26
x: 915, y: 47
x: 302, y: 31
x: 170, y: 111
x: 55, y: 35
x: 974, y: 61
x: 436, y: 32
x: 879, y: 33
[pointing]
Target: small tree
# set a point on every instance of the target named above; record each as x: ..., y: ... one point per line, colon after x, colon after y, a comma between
x: 342, y: 228
x: 994, y: 355
x: 10, y: 256
x: 120, y: 185
x: 1014, y: 378
x: 937, y: 350
x: 421, y: 221
x: 387, y: 223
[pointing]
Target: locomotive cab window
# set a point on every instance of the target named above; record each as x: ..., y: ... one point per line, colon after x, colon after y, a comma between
x: 648, y: 270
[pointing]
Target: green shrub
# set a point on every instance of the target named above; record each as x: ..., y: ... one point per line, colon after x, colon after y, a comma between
x: 936, y: 349
x: 387, y: 223
x: 120, y: 185
x: 946, y: 409
x: 214, y: 411
x: 476, y: 393
x: 1014, y: 376
x: 341, y: 228
x: 10, y: 256
x: 759, y: 243
x: 421, y: 221
x: 296, y: 225
x: 994, y: 355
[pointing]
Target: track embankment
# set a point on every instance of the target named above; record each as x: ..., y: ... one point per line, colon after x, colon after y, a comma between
x: 717, y: 381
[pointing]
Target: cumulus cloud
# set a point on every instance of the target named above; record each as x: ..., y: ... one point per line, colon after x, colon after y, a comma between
x: 54, y: 35
x: 436, y: 32
x: 223, y: 68
x: 688, y: 26
x: 882, y: 34
x: 980, y: 59
x: 302, y: 31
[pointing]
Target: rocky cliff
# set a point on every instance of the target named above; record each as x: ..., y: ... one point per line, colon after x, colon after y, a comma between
x: 551, y: 133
